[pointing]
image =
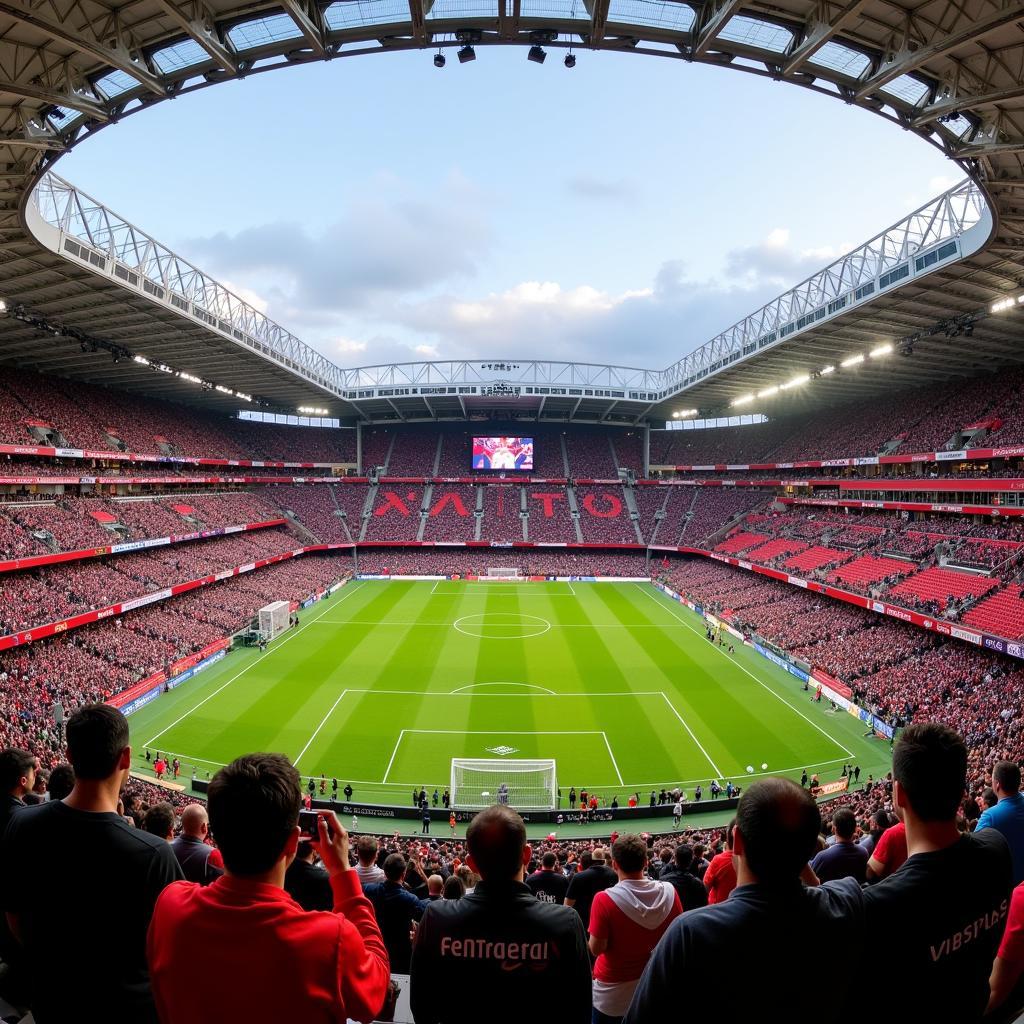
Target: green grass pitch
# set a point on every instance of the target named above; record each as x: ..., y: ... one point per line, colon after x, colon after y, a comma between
x: 385, y: 682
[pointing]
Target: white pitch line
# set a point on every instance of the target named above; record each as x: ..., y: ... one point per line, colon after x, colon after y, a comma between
x: 387, y: 771
x: 549, y: 693
x: 323, y: 721
x: 743, y: 668
x: 615, y: 764
x: 273, y: 648
x: 572, y: 590
x: 507, y: 732
x: 682, y: 721
x: 554, y: 625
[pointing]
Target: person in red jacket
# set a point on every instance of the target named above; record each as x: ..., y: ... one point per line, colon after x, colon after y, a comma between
x: 262, y: 957
x: 720, y: 877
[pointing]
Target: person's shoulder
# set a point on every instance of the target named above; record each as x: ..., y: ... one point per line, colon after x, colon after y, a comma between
x: 176, y: 898
x: 990, y: 843
x: 843, y: 895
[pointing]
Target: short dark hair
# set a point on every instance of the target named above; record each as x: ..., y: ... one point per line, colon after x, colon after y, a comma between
x: 549, y: 860
x: 929, y: 762
x: 96, y: 734
x: 684, y: 856
x: 496, y: 838
x: 159, y: 820
x: 394, y: 867
x: 780, y: 823
x: 586, y: 860
x: 453, y: 888
x: 844, y: 821
x: 989, y: 797
x: 254, y: 808
x: 366, y: 849
x: 1007, y: 774
x: 630, y: 853
x: 15, y: 764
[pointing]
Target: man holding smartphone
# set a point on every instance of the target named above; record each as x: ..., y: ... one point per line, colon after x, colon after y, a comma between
x: 291, y: 964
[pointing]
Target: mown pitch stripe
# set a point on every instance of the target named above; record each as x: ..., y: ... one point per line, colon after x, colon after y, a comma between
x: 274, y: 647
x: 745, y: 670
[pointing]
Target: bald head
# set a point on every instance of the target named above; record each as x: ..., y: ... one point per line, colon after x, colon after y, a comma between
x: 195, y: 822
x: 435, y: 885
x: 776, y: 830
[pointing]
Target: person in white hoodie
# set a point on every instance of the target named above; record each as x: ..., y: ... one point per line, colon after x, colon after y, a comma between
x: 626, y: 922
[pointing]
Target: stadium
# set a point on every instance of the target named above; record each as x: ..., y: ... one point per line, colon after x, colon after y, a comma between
x: 616, y: 601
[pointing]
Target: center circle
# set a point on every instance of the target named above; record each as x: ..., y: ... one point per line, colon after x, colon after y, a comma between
x: 502, y: 625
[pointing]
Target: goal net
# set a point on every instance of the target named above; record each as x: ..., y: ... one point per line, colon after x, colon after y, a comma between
x: 526, y: 785
x: 502, y: 574
x: 274, y: 619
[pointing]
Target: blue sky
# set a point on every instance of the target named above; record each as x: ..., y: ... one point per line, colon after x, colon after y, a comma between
x: 622, y: 211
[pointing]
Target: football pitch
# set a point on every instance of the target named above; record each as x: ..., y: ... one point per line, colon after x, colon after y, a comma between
x: 382, y: 684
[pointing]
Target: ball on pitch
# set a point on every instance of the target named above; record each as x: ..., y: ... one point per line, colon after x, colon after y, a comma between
x: 764, y: 767
x: 750, y: 769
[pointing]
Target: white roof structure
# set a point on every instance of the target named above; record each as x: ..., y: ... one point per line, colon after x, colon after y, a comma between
x: 84, y: 285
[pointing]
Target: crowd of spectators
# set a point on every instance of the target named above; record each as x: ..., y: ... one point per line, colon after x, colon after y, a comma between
x: 451, y: 513
x: 610, y: 931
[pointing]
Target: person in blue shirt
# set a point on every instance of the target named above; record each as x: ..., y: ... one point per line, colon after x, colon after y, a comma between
x: 396, y: 908
x: 844, y: 859
x: 1007, y: 816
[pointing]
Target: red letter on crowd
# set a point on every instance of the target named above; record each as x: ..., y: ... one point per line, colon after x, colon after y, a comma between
x: 449, y: 499
x: 391, y: 501
x: 548, y: 501
x: 611, y: 510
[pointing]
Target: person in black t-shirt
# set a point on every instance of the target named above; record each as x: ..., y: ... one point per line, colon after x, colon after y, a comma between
x: 760, y: 931
x: 306, y: 883
x: 586, y: 884
x: 692, y: 892
x: 937, y: 921
x: 74, y: 872
x: 499, y: 952
x: 549, y: 885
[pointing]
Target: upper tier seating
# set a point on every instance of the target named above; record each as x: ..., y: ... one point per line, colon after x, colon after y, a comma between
x: 935, y: 586
x: 1002, y: 613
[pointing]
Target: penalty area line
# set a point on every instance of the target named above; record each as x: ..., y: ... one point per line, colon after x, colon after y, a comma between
x: 615, y: 764
x: 316, y: 731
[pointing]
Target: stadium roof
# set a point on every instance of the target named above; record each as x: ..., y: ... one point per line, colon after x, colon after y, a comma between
x: 949, y: 71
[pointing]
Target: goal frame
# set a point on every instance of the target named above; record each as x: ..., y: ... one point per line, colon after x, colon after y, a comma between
x: 503, y: 770
x: 274, y: 619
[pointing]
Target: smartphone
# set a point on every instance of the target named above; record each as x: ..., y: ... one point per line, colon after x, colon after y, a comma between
x: 308, y: 824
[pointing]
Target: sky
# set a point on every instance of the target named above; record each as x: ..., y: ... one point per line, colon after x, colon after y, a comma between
x: 624, y: 211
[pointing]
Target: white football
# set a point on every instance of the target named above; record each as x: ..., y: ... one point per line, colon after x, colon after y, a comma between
x: 750, y: 769
x: 764, y: 767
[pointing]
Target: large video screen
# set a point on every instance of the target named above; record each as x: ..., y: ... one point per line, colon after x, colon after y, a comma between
x: 503, y: 453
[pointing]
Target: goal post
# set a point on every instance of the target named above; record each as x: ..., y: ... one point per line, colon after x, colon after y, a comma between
x: 274, y: 619
x: 501, y: 573
x: 526, y: 785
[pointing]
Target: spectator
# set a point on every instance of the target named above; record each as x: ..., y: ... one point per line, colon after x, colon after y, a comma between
x: 1009, y: 962
x: 720, y: 877
x: 499, y: 948
x: 1007, y: 816
x: 75, y: 868
x: 549, y: 884
x: 306, y: 883
x: 889, y: 854
x: 586, y: 884
x: 626, y: 922
x: 844, y: 858
x: 938, y: 920
x: 17, y: 779
x: 199, y: 861
x: 690, y: 888
x: 758, y: 932
x: 60, y: 782
x: 396, y: 909
x: 290, y: 964
x: 453, y: 888
x: 159, y: 821
x: 879, y: 826
x: 367, y: 870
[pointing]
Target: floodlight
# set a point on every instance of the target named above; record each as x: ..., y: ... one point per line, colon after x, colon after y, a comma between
x: 570, y: 60
x: 466, y: 54
x: 537, y: 54
x: 438, y: 60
